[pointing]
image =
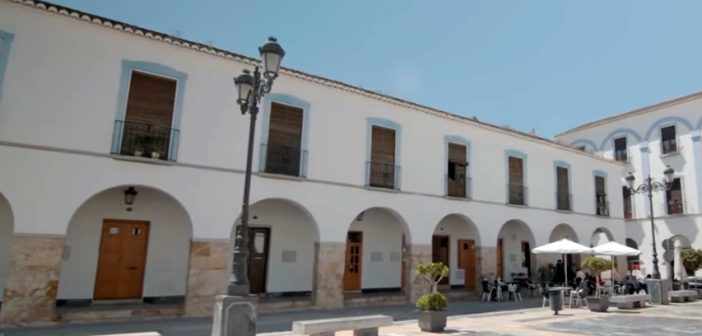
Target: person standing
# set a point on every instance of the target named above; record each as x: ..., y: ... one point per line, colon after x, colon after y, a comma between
x: 560, y: 272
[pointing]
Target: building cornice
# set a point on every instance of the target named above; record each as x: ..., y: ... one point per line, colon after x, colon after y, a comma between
x: 636, y: 112
x: 218, y: 52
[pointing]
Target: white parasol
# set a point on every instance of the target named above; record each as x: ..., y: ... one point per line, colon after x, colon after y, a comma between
x: 563, y: 246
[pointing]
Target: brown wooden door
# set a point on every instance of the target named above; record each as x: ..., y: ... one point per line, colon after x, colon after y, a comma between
x: 500, y: 259
x: 457, y: 165
x: 354, y: 261
x: 122, y: 260
x: 440, y: 253
x: 382, y: 165
x: 466, y: 261
x: 516, y: 181
x: 258, y: 258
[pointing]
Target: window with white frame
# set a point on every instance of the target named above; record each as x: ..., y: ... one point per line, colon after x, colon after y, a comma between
x: 668, y: 140
x: 621, y: 153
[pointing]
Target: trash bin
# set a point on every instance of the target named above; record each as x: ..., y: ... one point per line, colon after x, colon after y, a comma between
x: 556, y: 300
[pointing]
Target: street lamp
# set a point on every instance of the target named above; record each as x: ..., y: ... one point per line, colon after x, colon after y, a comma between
x: 250, y: 89
x: 649, y: 186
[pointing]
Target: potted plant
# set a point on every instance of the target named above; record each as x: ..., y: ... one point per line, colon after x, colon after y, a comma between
x: 432, y: 306
x: 597, y: 265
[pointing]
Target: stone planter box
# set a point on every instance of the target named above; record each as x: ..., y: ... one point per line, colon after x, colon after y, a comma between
x: 598, y: 304
x: 432, y: 321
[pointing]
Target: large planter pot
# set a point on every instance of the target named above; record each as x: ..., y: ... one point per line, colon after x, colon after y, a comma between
x: 432, y: 321
x: 598, y: 304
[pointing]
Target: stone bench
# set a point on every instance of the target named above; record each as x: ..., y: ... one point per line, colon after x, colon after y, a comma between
x: 361, y: 325
x: 630, y: 301
x: 683, y: 295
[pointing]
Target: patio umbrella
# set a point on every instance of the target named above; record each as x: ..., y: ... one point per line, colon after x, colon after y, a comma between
x: 563, y: 246
x: 613, y: 249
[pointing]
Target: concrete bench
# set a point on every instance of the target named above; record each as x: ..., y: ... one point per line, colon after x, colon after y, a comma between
x: 361, y: 325
x: 683, y: 295
x: 630, y: 301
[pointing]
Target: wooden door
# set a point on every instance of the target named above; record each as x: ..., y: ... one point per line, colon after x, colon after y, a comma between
x: 354, y: 261
x: 440, y: 253
x: 467, y: 262
x: 258, y: 258
x: 382, y: 165
x: 457, y: 165
x: 500, y: 259
x: 121, y: 260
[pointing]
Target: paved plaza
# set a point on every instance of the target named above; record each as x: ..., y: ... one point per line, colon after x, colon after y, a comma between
x: 468, y: 318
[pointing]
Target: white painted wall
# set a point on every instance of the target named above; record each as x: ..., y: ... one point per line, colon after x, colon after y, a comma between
x: 168, y: 248
x: 208, y: 179
x: 292, y: 231
x: 457, y: 228
x: 6, y: 232
x: 382, y: 235
x: 513, y: 233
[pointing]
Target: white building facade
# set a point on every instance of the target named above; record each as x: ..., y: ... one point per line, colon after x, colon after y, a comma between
x: 647, y: 141
x: 352, y: 189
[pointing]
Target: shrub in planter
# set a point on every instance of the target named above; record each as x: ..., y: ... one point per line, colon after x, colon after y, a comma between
x: 432, y: 306
x: 692, y: 260
x: 597, y: 265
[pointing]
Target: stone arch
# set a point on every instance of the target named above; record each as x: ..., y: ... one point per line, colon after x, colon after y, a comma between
x: 589, y: 145
x: 456, y: 243
x: 379, y: 237
x: 283, y: 234
x: 168, y: 233
x: 672, y: 258
x: 572, y: 261
x: 6, y: 233
x: 600, y: 236
x: 668, y: 120
x: 515, y: 241
x: 630, y: 133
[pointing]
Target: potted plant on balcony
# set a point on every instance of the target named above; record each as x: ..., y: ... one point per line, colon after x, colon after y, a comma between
x: 597, y: 265
x: 432, y: 306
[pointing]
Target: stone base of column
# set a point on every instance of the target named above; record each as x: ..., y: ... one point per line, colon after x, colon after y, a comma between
x: 32, y: 284
x: 207, y: 276
x: 418, y: 254
x: 234, y: 316
x: 328, y: 292
x: 658, y: 289
x: 488, y: 262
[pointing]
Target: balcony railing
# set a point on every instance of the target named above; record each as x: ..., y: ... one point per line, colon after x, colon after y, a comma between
x: 284, y: 160
x: 382, y: 175
x: 601, y: 205
x: 458, y: 187
x: 516, y: 194
x: 564, y: 201
x: 143, y: 139
x: 621, y: 155
x: 669, y: 146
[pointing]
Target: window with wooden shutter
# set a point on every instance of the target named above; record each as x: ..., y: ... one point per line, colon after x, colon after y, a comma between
x: 562, y: 189
x: 628, y: 207
x: 457, y: 167
x: 283, y: 150
x: 382, y: 167
x: 674, y: 197
x: 516, y: 181
x: 601, y: 202
x: 147, y: 124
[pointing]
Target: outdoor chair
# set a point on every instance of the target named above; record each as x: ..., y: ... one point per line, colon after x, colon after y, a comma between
x: 487, y: 291
x: 577, y: 298
x: 514, y: 292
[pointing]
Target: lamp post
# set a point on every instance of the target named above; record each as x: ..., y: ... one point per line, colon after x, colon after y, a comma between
x: 649, y: 186
x: 251, y: 88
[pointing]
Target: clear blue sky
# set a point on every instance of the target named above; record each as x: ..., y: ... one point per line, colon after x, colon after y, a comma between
x: 548, y: 65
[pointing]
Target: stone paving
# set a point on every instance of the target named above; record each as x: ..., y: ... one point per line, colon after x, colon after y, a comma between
x: 671, y: 320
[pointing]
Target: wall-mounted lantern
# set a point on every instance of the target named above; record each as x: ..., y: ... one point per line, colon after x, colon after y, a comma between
x: 129, y: 196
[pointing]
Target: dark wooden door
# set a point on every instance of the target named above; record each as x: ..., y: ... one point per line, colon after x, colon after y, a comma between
x: 354, y: 261
x: 382, y: 165
x: 500, y: 259
x: 121, y: 260
x: 516, y: 181
x: 466, y: 261
x: 258, y: 258
x: 457, y: 170
x: 440, y: 253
